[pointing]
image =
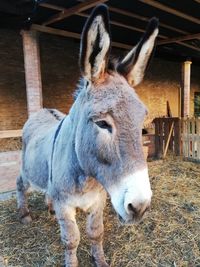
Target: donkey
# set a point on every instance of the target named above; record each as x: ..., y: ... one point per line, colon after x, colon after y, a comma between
x: 97, y: 149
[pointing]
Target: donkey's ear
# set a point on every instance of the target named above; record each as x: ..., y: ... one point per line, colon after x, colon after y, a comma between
x: 95, y: 44
x: 134, y: 64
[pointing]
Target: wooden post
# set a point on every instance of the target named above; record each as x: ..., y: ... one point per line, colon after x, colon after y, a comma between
x: 32, y: 71
x: 168, y: 140
x: 185, y: 103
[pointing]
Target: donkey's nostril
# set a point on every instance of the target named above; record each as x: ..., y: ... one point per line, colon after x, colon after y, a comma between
x: 137, y: 212
x: 132, y: 209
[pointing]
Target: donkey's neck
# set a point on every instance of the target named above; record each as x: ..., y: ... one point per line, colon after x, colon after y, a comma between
x: 65, y: 165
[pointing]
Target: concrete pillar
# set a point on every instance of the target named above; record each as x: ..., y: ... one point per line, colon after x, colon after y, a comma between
x: 185, y: 99
x: 32, y: 71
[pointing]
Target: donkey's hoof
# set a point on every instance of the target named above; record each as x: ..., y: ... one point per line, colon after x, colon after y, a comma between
x: 26, y: 220
x: 52, y: 212
x: 105, y: 265
x: 100, y: 263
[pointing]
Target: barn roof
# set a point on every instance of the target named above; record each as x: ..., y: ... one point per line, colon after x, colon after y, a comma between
x: 179, y: 36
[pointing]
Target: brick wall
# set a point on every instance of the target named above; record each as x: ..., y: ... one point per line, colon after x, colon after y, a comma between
x: 60, y: 71
x: 59, y: 67
x: 13, y: 111
x: 162, y: 82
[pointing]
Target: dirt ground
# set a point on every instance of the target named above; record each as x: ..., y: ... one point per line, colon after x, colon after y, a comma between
x: 168, y: 236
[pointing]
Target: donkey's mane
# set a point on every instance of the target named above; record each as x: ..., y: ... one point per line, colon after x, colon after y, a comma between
x: 82, y: 82
x: 79, y: 87
x: 56, y: 114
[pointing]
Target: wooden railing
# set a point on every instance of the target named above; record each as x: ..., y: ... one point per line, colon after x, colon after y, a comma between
x: 191, y: 138
x: 167, y: 136
x: 10, y: 133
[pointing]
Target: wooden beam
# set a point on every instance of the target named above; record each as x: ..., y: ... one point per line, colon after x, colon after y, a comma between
x: 189, y: 46
x: 73, y: 10
x: 135, y: 16
x: 143, y: 30
x: 10, y: 133
x: 116, y: 23
x: 180, y: 38
x: 130, y: 14
x: 122, y: 12
x: 50, y: 6
x: 42, y: 28
x: 50, y: 30
x: 64, y: 33
x: 121, y: 45
x: 170, y: 10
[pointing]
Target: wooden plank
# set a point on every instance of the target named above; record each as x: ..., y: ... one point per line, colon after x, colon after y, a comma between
x: 10, y: 133
x: 116, y: 23
x: 161, y: 133
x: 198, y: 134
x: 169, y: 112
x: 180, y: 38
x: 136, y: 16
x: 170, y: 10
x: 171, y: 141
x: 168, y: 140
x: 183, y: 137
x: 123, y: 12
x: 157, y: 138
x: 143, y: 30
x: 50, y: 6
x: 63, y: 33
x: 166, y: 131
x: 189, y: 46
x: 127, y: 13
x: 193, y: 137
x: 73, y: 10
x: 51, y: 30
x: 186, y: 139
x: 177, y: 137
x: 121, y: 45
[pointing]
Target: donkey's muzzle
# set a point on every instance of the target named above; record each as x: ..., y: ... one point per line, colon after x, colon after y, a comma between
x: 136, y: 213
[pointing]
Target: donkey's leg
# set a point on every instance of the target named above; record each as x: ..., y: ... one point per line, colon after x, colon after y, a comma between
x: 22, y: 201
x: 49, y: 203
x: 69, y: 232
x: 95, y: 231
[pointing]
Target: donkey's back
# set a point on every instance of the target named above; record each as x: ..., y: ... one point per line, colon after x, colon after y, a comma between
x: 38, y: 134
x: 41, y: 123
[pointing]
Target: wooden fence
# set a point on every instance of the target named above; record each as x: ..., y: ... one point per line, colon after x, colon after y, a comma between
x: 165, y: 128
x: 191, y: 138
x: 10, y: 133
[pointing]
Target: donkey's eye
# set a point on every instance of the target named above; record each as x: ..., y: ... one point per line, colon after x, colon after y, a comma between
x: 104, y: 125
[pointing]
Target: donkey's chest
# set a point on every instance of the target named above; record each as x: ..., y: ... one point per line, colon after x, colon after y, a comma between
x: 87, y: 198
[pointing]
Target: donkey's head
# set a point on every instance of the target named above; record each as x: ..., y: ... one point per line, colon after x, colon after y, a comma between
x: 110, y: 117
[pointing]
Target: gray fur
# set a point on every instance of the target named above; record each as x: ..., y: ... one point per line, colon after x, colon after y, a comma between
x: 74, y: 161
